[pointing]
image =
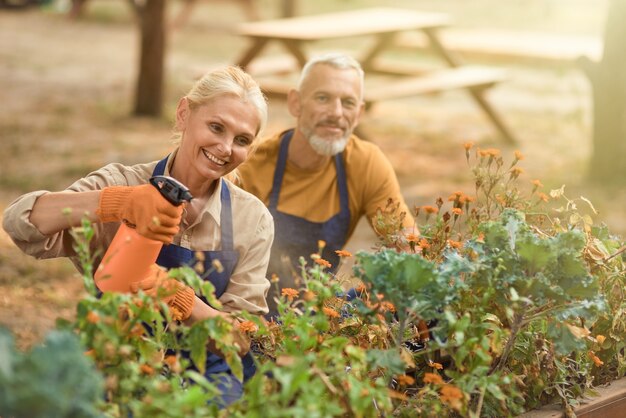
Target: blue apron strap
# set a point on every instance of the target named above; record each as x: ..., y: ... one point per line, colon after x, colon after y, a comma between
x: 342, y: 184
x: 226, y: 219
x: 279, y: 171
x: 159, y: 170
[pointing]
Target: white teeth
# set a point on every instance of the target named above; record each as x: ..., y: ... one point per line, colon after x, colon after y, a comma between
x: 213, y: 158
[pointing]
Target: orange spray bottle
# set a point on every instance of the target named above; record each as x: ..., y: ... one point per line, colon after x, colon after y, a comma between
x: 130, y: 256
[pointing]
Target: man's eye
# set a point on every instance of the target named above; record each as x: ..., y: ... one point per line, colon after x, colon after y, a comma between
x: 322, y: 99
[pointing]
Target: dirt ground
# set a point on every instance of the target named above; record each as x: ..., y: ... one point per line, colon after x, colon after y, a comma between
x: 67, y: 92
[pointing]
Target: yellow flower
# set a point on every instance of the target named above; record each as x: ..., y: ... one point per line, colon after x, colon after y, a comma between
x: 404, y: 380
x: 432, y: 378
x: 321, y: 244
x: 217, y: 265
x: 275, y: 278
x: 600, y: 339
x: 289, y: 293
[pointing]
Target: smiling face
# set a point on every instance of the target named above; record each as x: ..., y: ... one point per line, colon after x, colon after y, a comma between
x: 328, y: 107
x: 216, y: 137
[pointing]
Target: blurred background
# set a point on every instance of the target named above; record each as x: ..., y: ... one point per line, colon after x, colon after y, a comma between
x: 70, y: 76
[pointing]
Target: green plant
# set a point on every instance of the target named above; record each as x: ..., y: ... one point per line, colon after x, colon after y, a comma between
x: 53, y: 379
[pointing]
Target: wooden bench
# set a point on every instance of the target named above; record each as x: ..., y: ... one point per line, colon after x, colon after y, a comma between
x: 440, y: 80
x: 511, y: 46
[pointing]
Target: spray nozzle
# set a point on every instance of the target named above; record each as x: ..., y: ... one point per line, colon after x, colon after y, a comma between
x: 171, y: 189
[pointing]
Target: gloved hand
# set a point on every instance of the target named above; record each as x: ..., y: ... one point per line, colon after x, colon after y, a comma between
x: 142, y: 207
x: 179, y: 297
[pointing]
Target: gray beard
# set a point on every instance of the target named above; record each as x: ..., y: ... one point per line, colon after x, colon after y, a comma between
x: 328, y: 147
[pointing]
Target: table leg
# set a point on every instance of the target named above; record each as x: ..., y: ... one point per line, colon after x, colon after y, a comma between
x: 252, y: 52
x: 454, y: 61
x: 383, y: 42
x: 296, y: 50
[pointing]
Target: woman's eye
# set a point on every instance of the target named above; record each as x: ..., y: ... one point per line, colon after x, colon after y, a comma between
x: 243, y: 141
x: 215, y: 127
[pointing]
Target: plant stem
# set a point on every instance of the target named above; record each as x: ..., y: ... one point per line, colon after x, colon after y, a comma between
x: 518, y: 321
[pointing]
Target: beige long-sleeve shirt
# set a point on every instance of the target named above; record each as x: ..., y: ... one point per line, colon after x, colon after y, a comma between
x: 253, y: 232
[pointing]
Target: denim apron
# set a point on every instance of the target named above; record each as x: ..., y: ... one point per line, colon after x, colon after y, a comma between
x: 295, y: 236
x: 171, y: 256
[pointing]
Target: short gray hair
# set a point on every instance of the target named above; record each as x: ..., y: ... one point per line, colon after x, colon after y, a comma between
x: 336, y: 60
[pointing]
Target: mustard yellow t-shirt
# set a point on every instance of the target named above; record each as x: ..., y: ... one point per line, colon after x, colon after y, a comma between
x: 314, y: 195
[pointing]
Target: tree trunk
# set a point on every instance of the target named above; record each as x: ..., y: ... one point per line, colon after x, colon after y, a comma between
x: 149, y: 97
x: 608, y: 80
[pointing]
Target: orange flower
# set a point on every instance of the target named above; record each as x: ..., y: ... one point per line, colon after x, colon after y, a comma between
x: 457, y: 211
x: 321, y: 244
x: 455, y: 196
x: 600, y: 339
x: 90, y: 353
x: 248, y: 326
x: 434, y: 365
x: 361, y: 288
x: 516, y: 171
x: 170, y: 360
x: 481, y: 237
x: 519, y: 156
x: 289, y: 293
x: 596, y: 359
x: 146, y: 369
x: 430, y: 209
x: 387, y: 307
x: 451, y: 395
x: 544, y: 197
x: 424, y: 244
x: 404, y: 380
x: 275, y: 278
x: 433, y: 378
x: 537, y: 183
x: 468, y: 145
x: 93, y: 317
x: 412, y: 237
x: 330, y: 312
x: 343, y: 253
x: 455, y: 244
x: 323, y: 262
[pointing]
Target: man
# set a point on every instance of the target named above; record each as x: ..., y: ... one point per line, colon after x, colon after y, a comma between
x: 318, y: 179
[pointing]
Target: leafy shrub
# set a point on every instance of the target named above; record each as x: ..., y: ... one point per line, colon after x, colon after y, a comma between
x: 501, y: 304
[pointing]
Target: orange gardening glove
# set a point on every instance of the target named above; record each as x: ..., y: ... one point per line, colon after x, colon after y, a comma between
x: 142, y: 207
x: 179, y: 297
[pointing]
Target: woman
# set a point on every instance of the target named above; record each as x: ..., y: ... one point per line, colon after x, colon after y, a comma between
x: 218, y: 122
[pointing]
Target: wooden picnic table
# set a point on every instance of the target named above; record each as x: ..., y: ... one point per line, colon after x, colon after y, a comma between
x: 384, y: 25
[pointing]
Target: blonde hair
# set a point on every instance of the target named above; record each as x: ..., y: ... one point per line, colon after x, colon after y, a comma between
x: 228, y: 80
